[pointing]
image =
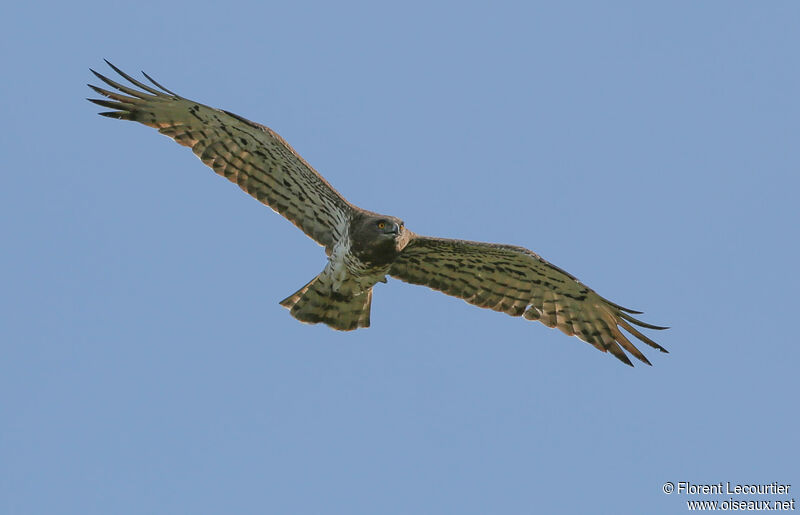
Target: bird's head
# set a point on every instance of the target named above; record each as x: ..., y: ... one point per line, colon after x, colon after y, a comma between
x: 376, y: 238
x: 388, y: 227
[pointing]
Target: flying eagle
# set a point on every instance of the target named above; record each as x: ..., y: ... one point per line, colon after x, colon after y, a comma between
x: 362, y: 246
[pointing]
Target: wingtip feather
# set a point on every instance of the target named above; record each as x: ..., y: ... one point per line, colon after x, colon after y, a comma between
x: 159, y: 85
x: 628, y: 327
x: 107, y: 103
x: 133, y: 81
x: 642, y: 324
x: 616, y: 350
x: 625, y: 359
x: 118, y: 115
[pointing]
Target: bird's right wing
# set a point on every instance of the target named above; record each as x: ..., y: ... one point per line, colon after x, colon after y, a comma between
x: 246, y: 153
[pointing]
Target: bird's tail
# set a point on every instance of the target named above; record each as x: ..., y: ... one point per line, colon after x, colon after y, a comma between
x: 317, y: 302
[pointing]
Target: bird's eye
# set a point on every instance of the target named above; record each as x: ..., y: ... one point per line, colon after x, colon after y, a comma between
x: 381, y: 225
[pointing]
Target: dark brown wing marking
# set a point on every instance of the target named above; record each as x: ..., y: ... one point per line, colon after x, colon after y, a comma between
x: 518, y: 282
x: 246, y: 153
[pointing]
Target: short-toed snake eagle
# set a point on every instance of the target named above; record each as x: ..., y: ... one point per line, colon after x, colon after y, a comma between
x: 362, y: 246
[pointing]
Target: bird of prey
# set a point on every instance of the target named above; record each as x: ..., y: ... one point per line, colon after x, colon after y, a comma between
x: 362, y: 246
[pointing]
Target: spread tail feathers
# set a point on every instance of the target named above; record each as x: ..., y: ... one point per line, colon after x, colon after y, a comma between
x: 316, y: 302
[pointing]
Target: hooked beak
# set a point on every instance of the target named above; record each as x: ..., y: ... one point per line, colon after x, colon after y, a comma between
x: 393, y: 229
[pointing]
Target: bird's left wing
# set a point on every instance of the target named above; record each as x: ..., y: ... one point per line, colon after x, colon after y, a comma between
x: 246, y: 153
x: 517, y: 281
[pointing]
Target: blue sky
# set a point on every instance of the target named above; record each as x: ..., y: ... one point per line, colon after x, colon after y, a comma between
x: 649, y: 149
